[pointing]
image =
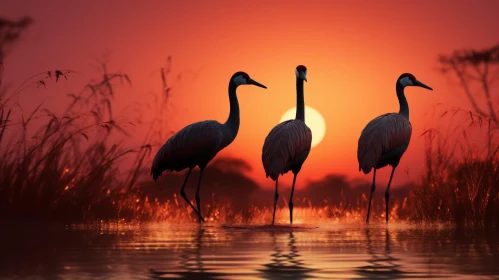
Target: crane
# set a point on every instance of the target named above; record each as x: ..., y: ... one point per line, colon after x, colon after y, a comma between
x: 198, y: 143
x: 288, y: 144
x: 385, y: 139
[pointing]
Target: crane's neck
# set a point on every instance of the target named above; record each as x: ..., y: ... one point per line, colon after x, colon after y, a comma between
x: 232, y: 123
x: 404, y: 106
x: 300, y: 100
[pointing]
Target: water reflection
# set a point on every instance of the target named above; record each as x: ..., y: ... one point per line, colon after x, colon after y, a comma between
x: 191, y: 263
x: 285, y: 266
x: 380, y: 266
x: 384, y: 265
x: 251, y: 253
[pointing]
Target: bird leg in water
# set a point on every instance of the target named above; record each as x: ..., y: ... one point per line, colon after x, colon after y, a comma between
x: 275, y: 199
x: 373, y: 187
x: 291, y: 199
x: 387, y: 193
x: 198, y: 202
x: 182, y: 191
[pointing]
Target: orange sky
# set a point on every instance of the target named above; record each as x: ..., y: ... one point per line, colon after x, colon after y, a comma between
x: 354, y: 51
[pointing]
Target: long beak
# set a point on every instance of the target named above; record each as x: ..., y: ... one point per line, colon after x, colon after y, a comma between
x: 420, y: 84
x: 253, y: 82
x: 303, y: 76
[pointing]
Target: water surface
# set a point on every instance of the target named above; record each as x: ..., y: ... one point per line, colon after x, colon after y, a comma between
x: 217, y: 252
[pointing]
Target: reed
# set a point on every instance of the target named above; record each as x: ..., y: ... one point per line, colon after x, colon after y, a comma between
x: 65, y: 167
x: 460, y: 185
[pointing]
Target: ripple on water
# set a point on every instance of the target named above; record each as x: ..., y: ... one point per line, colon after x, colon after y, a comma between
x: 248, y: 252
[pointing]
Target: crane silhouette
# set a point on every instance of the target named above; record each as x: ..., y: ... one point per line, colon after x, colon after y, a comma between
x: 288, y: 144
x: 198, y: 143
x: 385, y: 139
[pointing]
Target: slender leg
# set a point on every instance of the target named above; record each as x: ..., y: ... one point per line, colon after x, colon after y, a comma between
x: 387, y: 193
x: 182, y: 191
x: 275, y: 199
x: 373, y: 187
x: 198, y: 202
x: 291, y: 200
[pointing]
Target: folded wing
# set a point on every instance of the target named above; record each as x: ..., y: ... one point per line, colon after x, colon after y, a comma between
x: 288, y: 143
x: 195, y: 144
x: 382, y: 135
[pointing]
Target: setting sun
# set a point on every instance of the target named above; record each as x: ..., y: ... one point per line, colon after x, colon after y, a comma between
x: 313, y: 119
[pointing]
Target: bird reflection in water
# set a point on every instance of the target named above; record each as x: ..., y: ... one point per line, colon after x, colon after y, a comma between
x: 191, y: 264
x: 383, y: 266
x: 285, y: 266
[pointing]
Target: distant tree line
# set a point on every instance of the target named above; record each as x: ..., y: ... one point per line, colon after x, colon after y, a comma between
x: 10, y: 32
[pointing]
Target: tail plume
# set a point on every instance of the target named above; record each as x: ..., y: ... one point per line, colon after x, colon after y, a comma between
x: 155, y: 173
x: 274, y: 169
x: 368, y: 162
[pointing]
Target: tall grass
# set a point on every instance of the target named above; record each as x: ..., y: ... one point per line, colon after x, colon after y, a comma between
x: 459, y: 187
x: 68, y: 169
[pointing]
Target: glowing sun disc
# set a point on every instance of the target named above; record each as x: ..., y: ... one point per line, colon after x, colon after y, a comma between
x: 313, y: 119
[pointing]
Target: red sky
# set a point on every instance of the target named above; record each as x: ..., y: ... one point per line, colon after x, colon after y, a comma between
x: 354, y: 51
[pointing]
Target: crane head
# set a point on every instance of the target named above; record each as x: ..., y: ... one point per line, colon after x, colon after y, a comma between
x: 407, y: 79
x: 242, y: 78
x: 301, y: 72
